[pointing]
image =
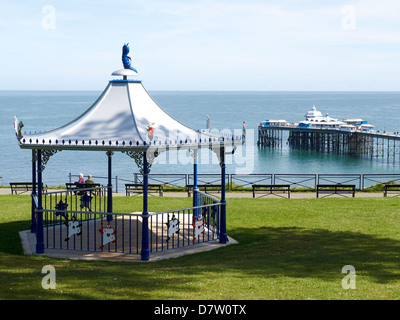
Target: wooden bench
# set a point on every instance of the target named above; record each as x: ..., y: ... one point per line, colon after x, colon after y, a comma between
x: 340, y: 189
x: 24, y: 187
x: 138, y: 188
x: 274, y: 189
x: 391, y: 187
x: 76, y: 186
x: 203, y: 187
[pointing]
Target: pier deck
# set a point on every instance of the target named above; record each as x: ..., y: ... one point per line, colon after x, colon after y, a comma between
x: 373, y: 144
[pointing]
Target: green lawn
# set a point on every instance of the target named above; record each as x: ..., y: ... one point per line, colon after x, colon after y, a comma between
x: 288, y: 249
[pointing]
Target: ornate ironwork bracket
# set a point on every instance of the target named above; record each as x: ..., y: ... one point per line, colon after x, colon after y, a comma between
x: 46, y: 154
x: 138, y: 157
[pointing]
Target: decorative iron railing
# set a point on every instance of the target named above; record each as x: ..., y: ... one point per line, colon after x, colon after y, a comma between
x: 185, y: 227
x: 78, y: 220
x: 77, y: 199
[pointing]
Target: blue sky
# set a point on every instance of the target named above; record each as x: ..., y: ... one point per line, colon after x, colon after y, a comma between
x: 202, y: 45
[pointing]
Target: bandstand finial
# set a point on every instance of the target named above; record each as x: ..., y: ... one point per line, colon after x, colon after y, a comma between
x: 127, y: 63
x: 126, y: 60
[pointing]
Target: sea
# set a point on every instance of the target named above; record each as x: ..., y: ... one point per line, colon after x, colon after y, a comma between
x: 227, y: 110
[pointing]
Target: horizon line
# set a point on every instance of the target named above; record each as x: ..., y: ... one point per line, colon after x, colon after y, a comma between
x: 210, y: 90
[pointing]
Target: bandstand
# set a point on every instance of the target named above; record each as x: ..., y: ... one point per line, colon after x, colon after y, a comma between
x: 123, y: 119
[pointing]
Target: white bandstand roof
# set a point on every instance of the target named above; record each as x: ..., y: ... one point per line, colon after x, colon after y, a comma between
x: 120, y: 120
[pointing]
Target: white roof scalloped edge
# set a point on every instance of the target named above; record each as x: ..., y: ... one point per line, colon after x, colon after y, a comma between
x: 124, y: 117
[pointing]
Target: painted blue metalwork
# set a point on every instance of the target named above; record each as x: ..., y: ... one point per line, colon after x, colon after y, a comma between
x: 210, y: 211
x: 223, y: 237
x: 145, y: 253
x: 126, y: 60
x: 130, y: 81
x: 39, y: 210
x: 129, y: 225
x: 33, y: 194
x: 109, y: 187
x: 86, y: 201
x: 195, y: 187
x: 61, y: 206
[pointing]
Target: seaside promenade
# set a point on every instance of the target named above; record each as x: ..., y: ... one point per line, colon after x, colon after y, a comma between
x: 232, y: 194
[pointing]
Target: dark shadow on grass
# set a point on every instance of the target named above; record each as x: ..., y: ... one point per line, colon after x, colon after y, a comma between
x: 264, y: 252
x: 10, y: 241
x: 315, y: 253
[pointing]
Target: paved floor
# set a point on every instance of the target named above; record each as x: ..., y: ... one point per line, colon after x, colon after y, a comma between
x: 28, y: 240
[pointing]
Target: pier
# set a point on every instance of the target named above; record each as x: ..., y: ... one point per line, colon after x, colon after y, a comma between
x: 354, y: 137
x: 372, y: 144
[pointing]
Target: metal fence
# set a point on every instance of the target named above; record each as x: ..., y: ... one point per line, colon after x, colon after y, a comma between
x: 355, y: 179
x: 240, y: 182
x: 368, y: 180
x: 243, y: 182
x: 78, y: 220
x: 299, y: 181
x: 173, y: 180
x: 185, y: 227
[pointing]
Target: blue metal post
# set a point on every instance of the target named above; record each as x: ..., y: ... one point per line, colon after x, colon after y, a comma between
x: 195, y: 188
x: 223, y: 237
x: 39, y: 210
x: 145, y: 253
x: 109, y: 187
x: 33, y: 213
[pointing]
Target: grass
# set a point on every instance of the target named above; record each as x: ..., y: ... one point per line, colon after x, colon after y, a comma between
x: 288, y: 249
